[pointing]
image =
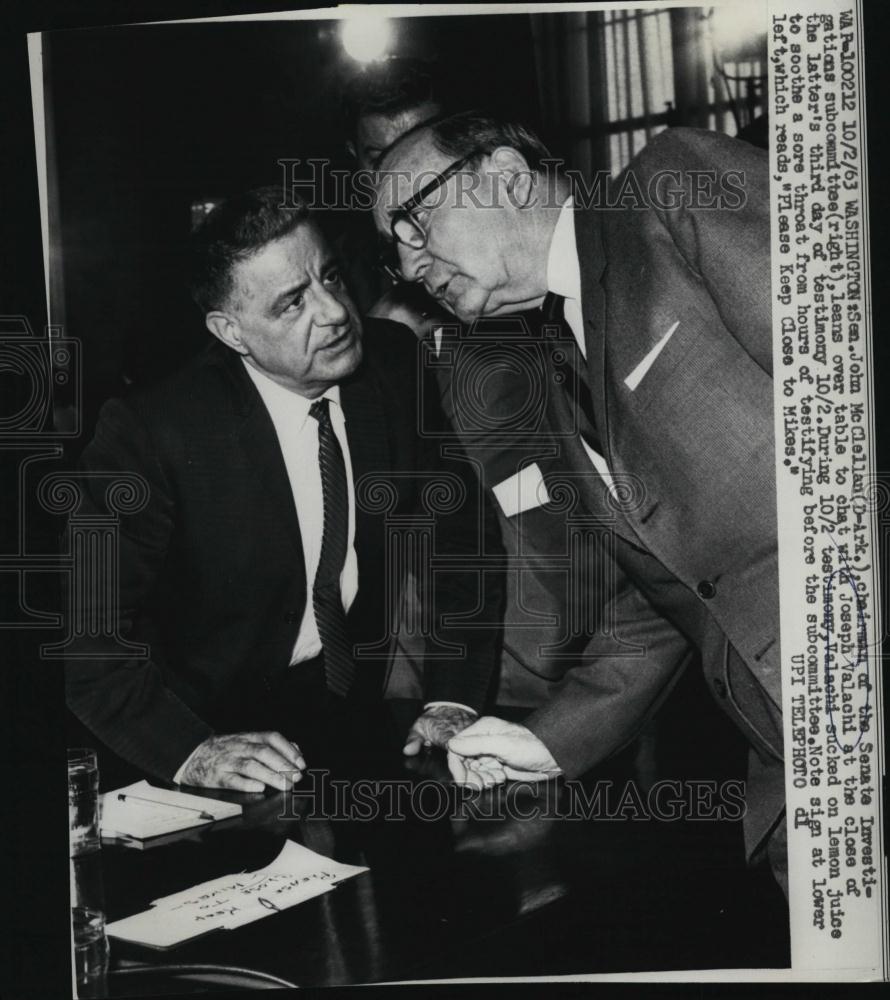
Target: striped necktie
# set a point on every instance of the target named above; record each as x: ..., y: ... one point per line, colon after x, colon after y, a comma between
x: 327, y: 600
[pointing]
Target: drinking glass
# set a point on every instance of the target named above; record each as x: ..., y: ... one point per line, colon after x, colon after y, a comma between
x: 90, y: 952
x: 83, y: 801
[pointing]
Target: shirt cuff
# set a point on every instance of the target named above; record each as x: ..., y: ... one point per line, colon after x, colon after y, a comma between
x: 177, y: 778
x: 450, y: 704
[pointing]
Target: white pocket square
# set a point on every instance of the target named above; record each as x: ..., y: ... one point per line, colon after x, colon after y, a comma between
x: 639, y: 373
x: 523, y: 491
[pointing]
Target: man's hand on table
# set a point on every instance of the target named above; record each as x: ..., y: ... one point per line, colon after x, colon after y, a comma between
x: 492, y: 750
x: 244, y: 762
x: 436, y: 727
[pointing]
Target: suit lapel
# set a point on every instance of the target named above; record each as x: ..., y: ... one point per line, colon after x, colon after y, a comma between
x: 256, y: 436
x: 591, y: 256
x: 569, y: 467
x: 588, y: 236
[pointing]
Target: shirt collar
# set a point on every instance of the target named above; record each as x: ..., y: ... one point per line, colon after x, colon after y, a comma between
x: 285, y: 404
x: 563, y: 270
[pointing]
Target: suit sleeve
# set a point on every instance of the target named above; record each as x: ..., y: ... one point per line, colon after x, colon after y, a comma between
x: 123, y: 698
x: 600, y: 706
x: 723, y: 232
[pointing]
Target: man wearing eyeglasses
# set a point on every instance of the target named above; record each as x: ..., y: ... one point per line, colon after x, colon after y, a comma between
x: 666, y: 300
x: 493, y: 377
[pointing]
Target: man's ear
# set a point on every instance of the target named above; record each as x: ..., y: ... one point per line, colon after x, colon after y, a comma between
x: 226, y: 328
x: 350, y: 148
x: 515, y: 175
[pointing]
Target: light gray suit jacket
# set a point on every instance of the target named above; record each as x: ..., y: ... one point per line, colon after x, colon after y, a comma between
x: 686, y: 421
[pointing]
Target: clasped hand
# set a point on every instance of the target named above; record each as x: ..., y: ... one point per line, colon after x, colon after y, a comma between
x: 436, y: 727
x: 492, y: 750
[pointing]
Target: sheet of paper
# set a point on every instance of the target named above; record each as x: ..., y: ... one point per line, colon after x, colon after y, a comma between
x: 147, y: 811
x: 297, y: 874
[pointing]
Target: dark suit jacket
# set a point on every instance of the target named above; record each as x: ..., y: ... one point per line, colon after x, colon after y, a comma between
x: 695, y: 543
x: 211, y: 569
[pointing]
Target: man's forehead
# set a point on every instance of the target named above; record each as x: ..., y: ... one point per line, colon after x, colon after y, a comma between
x: 414, y: 152
x: 409, y: 165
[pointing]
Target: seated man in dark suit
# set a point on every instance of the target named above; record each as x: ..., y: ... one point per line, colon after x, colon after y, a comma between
x: 259, y: 568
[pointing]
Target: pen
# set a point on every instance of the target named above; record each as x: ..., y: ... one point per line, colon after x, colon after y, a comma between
x: 170, y: 805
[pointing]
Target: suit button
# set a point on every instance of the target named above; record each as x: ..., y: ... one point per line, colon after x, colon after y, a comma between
x: 292, y: 617
x: 720, y: 687
x: 706, y: 590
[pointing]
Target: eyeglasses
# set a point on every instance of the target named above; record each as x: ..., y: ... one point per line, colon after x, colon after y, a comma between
x: 405, y: 228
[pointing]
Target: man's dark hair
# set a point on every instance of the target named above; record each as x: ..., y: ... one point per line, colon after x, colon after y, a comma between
x: 477, y: 133
x: 233, y: 231
x: 388, y: 88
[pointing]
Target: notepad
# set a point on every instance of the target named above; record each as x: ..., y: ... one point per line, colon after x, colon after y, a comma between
x: 296, y: 875
x: 142, y: 811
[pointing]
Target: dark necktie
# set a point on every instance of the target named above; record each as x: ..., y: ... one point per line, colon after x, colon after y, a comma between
x: 326, y: 597
x: 570, y: 364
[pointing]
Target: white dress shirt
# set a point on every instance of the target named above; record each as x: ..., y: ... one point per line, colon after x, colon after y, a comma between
x: 564, y: 279
x: 298, y: 437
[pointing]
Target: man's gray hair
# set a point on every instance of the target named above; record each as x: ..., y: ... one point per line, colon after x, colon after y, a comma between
x: 476, y: 134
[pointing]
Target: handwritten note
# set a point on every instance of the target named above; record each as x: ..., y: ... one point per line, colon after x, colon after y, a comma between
x: 297, y: 874
x: 141, y: 810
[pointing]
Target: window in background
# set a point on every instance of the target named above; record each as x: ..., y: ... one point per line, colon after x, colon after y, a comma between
x: 695, y: 66
x: 639, y: 79
x: 612, y: 80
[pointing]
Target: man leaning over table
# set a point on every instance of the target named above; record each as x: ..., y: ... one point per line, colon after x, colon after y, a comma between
x: 667, y: 300
x: 257, y: 566
x: 484, y: 400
